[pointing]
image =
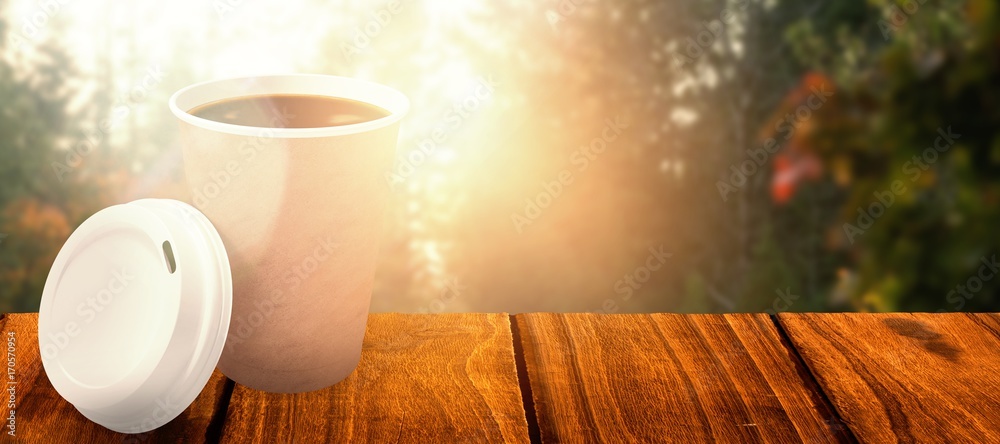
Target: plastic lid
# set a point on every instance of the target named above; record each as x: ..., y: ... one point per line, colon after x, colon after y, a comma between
x: 135, y: 312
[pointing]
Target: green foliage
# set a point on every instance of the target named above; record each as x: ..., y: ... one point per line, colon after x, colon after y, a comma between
x: 936, y: 71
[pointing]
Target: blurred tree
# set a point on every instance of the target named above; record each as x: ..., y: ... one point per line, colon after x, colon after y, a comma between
x: 913, y: 148
x: 745, y: 249
x: 37, y: 209
x: 696, y: 81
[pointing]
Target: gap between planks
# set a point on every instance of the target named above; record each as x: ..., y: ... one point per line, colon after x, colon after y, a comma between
x: 800, y: 363
x: 214, y: 431
x: 218, y: 422
x: 527, y: 397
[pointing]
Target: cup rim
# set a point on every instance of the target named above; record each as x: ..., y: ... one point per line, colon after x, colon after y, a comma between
x: 209, y: 91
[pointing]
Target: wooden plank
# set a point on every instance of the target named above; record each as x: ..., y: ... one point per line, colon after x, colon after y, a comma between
x: 909, y: 377
x: 42, y: 416
x: 669, y: 378
x: 422, y: 378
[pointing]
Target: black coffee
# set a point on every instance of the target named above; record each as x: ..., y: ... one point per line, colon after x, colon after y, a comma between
x: 289, y: 111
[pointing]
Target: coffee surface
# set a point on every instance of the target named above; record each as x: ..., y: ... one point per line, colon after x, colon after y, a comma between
x: 289, y: 111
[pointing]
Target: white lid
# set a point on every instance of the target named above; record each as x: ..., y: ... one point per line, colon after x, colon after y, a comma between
x: 127, y: 336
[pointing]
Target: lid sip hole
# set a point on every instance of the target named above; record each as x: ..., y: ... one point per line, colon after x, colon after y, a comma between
x: 168, y: 254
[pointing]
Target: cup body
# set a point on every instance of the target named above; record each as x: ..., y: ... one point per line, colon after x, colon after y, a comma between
x: 300, y: 212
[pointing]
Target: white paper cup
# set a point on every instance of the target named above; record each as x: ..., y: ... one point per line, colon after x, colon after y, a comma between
x: 300, y: 212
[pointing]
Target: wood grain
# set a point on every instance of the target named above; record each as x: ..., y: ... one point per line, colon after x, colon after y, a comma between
x: 422, y: 378
x: 42, y: 416
x: 908, y: 377
x: 598, y: 378
x: 669, y: 378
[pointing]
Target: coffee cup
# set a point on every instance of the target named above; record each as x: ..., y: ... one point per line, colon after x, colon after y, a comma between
x: 299, y: 208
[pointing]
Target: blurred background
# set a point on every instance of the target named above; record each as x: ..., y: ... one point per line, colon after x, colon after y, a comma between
x: 629, y: 156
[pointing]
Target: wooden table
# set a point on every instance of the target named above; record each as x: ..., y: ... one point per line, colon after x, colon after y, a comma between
x: 544, y: 377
